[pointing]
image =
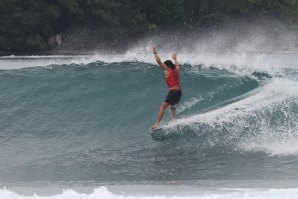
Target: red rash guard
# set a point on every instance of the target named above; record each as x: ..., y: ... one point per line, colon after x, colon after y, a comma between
x: 173, y: 79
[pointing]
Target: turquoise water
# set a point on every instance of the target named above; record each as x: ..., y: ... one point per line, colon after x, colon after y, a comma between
x: 84, y: 121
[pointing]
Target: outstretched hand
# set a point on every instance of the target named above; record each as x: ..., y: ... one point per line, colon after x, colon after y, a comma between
x: 174, y: 56
x: 154, y: 50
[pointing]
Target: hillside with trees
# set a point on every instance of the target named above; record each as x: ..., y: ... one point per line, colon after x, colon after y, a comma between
x: 34, y: 26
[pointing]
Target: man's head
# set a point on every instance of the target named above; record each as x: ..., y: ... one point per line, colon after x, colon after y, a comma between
x: 169, y: 64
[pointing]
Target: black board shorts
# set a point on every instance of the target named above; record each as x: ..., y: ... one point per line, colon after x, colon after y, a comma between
x: 173, y: 97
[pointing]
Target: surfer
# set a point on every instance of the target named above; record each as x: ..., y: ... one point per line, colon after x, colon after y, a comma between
x: 171, y: 72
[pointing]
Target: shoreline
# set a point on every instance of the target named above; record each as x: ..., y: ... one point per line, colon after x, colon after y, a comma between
x: 139, y: 189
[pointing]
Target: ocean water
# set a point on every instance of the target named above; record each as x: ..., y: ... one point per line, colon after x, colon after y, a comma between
x: 78, y: 127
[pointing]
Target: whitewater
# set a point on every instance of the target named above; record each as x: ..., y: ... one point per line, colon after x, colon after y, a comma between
x: 78, y: 126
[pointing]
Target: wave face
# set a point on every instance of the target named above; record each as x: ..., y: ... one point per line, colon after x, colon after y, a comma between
x: 86, y: 119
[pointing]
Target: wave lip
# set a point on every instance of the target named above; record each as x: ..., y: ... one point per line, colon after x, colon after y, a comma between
x: 242, y: 63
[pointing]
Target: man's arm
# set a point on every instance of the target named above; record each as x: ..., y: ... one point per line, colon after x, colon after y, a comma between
x: 162, y: 65
x: 174, y: 56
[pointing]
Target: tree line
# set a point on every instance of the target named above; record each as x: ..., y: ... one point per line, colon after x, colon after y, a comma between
x: 28, y: 25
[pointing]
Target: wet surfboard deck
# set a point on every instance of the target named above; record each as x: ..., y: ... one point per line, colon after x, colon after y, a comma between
x: 158, y: 134
x: 166, y: 132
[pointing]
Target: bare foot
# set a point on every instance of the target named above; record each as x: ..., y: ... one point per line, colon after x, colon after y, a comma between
x: 155, y: 126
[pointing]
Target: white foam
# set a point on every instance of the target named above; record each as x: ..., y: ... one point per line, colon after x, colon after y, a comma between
x: 188, y: 104
x: 242, y: 63
x: 276, y: 96
x: 17, y: 62
x: 258, y: 49
x: 266, y: 96
x: 269, y: 144
x: 261, y: 47
x: 104, y: 193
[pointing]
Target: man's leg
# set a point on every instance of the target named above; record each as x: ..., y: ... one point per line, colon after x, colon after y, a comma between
x: 173, y: 112
x: 162, y: 109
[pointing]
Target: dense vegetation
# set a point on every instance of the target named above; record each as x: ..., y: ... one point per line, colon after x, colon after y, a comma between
x: 27, y: 25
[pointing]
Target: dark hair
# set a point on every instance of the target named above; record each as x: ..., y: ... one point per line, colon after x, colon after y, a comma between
x: 169, y: 64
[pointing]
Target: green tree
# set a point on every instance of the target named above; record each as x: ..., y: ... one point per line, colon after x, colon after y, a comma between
x: 27, y: 25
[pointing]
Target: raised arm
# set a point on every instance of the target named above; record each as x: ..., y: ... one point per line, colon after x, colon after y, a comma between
x: 162, y: 65
x: 174, y: 56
